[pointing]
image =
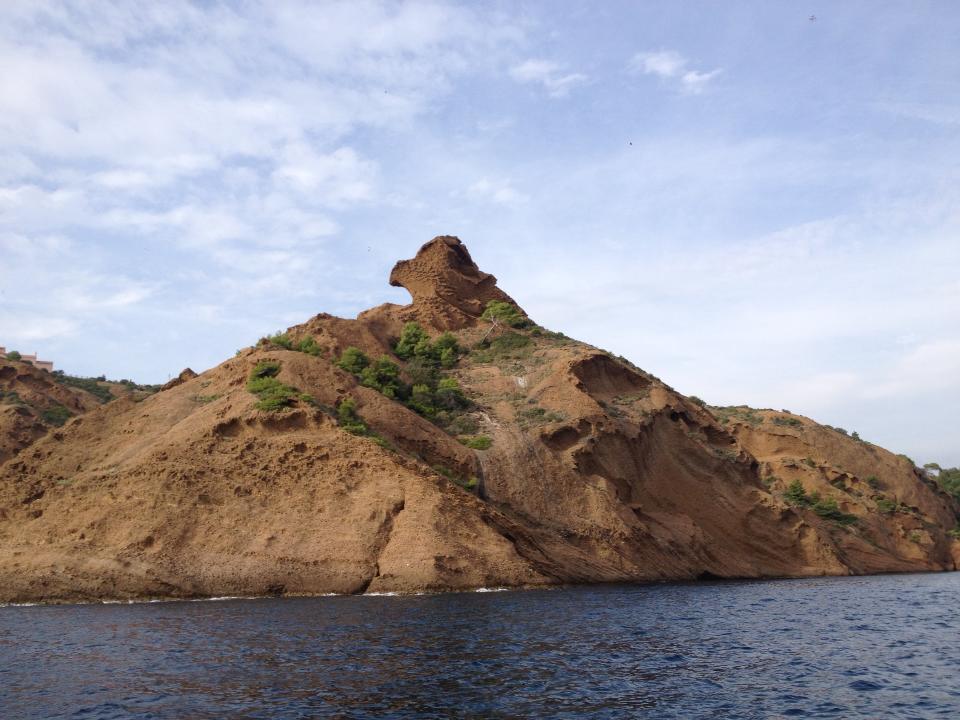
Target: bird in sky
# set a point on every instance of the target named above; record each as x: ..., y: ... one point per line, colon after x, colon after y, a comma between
x: 813, y: 18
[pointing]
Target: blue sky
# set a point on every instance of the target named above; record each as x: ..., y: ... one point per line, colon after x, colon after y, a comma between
x: 756, y: 207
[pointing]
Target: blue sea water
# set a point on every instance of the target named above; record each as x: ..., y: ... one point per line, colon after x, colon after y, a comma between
x: 873, y: 647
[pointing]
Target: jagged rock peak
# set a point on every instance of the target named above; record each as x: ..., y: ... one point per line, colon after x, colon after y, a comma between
x: 449, y: 291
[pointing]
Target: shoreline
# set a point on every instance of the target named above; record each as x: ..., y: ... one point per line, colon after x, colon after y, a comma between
x: 481, y: 590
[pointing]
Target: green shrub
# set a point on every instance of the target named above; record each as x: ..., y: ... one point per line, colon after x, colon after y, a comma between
x: 886, y: 506
x: 353, y: 360
x: 421, y: 400
x: 14, y: 355
x: 463, y: 425
x: 280, y: 339
x: 697, y: 401
x: 309, y: 346
x: 449, y: 396
x: 383, y: 375
x: 505, y: 313
x: 265, y: 369
x: 949, y: 480
x: 56, y: 415
x: 272, y: 394
x: 809, y: 462
x: 954, y: 533
x: 873, y: 481
x: 466, y: 483
x: 477, y: 442
x: 796, y: 495
x: 787, y: 421
x: 415, y: 343
x: 411, y: 336
x: 91, y: 385
x: 828, y: 509
x: 349, y: 420
x: 12, y: 397
x: 856, y: 436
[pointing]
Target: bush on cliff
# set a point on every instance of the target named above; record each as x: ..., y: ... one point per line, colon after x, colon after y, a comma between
x: 414, y: 343
x: 505, y: 313
x: 272, y: 395
x: 353, y: 360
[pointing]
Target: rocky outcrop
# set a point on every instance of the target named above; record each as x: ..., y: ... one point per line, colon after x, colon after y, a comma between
x: 590, y: 470
x: 449, y: 291
x: 185, y: 374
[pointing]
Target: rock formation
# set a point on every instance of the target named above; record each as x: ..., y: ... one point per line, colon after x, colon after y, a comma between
x: 564, y: 464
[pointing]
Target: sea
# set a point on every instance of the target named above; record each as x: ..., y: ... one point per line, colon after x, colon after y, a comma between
x: 861, y: 647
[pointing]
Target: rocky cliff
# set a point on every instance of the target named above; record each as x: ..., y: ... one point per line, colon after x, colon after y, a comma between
x: 449, y: 443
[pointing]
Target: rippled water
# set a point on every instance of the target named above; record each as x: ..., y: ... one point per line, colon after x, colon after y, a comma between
x: 851, y: 647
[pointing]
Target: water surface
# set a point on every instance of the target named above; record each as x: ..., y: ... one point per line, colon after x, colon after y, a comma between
x: 845, y: 647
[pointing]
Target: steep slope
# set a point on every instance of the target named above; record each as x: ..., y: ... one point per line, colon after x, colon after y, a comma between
x: 900, y: 513
x: 524, y: 459
x: 31, y: 403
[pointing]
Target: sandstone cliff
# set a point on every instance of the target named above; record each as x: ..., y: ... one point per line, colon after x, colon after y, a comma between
x: 551, y: 462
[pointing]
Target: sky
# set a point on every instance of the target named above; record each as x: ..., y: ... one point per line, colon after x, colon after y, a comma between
x: 756, y: 206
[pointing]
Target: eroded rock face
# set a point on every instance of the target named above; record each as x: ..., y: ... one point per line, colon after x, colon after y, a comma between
x: 593, y: 471
x: 449, y: 291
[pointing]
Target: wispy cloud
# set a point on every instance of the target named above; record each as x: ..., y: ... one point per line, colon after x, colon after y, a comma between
x: 671, y: 66
x: 497, y: 191
x: 552, y: 76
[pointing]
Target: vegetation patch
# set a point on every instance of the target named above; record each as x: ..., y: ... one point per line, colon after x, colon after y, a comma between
x: 726, y: 415
x: 886, y: 506
x: 505, y: 313
x: 539, y: 415
x: 508, y: 346
x: 826, y: 508
x: 469, y: 483
x: 415, y: 343
x: 947, y: 478
x: 56, y: 415
x: 477, y: 442
x: 279, y: 339
x: 430, y: 392
x: 285, y: 341
x: 349, y: 419
x: 91, y: 385
x: 273, y: 395
x: 725, y: 454
x: 309, y: 346
x: 787, y: 422
x: 796, y: 495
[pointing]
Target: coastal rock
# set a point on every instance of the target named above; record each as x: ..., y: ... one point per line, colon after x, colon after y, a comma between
x: 568, y: 465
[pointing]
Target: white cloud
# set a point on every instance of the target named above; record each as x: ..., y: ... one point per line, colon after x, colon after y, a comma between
x: 500, y: 192
x: 552, y: 76
x: 672, y: 66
